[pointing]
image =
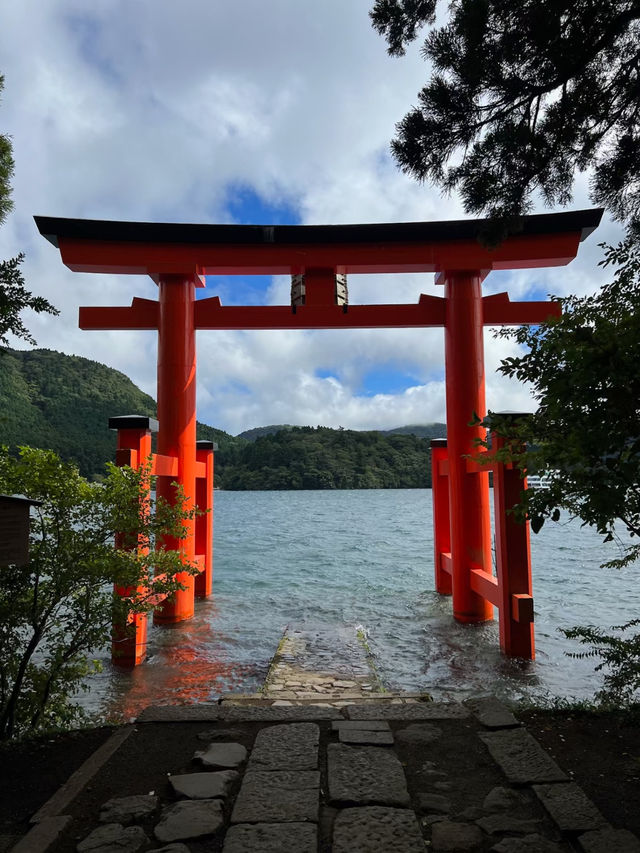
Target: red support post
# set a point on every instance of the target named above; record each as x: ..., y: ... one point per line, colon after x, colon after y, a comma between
x: 441, y: 519
x: 129, y: 642
x: 204, y: 523
x: 513, y: 559
x: 177, y: 416
x: 469, y: 493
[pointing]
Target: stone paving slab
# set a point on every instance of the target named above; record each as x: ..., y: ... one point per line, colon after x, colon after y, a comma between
x: 271, y: 838
x: 365, y: 776
x: 203, y: 786
x: 609, y: 841
x: 360, y: 725
x: 491, y: 713
x: 114, y: 837
x: 415, y: 711
x: 533, y: 843
x: 361, y: 830
x: 521, y: 758
x: 364, y: 737
x: 419, y: 733
x: 224, y: 755
x: 190, y: 819
x: 570, y: 808
x: 279, y: 796
x: 126, y: 810
x: 178, y: 714
x: 292, y: 746
x: 277, y: 714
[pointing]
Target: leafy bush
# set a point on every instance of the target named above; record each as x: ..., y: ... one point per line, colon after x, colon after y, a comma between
x: 58, y: 608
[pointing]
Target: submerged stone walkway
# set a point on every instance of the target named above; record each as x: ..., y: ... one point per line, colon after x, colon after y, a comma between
x: 323, y: 665
x: 393, y: 775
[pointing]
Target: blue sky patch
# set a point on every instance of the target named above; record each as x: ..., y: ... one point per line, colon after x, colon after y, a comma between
x: 247, y: 207
x: 386, y: 379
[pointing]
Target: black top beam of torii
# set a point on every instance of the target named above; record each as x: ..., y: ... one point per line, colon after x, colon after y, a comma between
x: 318, y: 252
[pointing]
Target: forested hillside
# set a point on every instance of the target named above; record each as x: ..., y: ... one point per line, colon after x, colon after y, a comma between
x: 322, y: 458
x: 64, y: 403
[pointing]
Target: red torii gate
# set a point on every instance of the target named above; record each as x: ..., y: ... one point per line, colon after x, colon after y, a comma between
x: 178, y: 257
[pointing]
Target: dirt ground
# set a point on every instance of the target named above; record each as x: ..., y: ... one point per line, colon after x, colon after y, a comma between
x: 600, y: 751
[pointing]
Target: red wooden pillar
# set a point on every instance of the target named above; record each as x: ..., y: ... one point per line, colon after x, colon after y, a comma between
x: 129, y: 642
x: 204, y: 523
x: 469, y: 493
x: 441, y: 520
x: 513, y: 560
x: 177, y: 416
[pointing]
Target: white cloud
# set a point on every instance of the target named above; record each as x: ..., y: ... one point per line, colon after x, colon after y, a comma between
x: 152, y: 110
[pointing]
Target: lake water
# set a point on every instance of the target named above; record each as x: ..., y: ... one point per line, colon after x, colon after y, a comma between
x: 347, y: 559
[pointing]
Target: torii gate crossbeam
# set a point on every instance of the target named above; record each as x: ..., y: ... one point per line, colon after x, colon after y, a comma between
x: 177, y: 257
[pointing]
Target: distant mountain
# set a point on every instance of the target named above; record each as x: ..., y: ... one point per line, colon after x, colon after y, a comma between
x: 64, y: 403
x: 258, y: 432
x: 435, y: 430
x: 323, y: 458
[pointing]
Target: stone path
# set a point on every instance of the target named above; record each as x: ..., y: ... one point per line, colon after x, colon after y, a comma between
x: 388, y: 776
x: 323, y: 665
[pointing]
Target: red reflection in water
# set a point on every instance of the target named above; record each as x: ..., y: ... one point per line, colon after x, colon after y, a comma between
x: 181, y: 672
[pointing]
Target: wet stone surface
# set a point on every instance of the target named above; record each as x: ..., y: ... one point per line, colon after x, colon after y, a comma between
x: 112, y: 837
x: 521, y: 757
x: 570, y: 808
x: 414, y: 711
x: 286, y: 747
x: 360, y: 725
x: 271, y: 838
x: 491, y: 713
x: 609, y: 841
x: 529, y: 844
x: 228, y: 755
x: 419, y: 733
x: 126, y: 810
x: 365, y: 737
x: 278, y: 797
x: 365, y: 775
x: 190, y: 819
x: 203, y: 786
x: 361, y: 830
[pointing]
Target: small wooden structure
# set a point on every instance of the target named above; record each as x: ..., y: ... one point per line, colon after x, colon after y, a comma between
x: 15, y: 511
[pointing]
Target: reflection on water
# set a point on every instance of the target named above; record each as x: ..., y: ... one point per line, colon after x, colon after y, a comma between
x: 363, y: 558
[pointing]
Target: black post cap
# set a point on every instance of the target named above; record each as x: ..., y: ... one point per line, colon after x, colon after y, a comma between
x: 205, y: 444
x: 134, y: 422
x: 438, y: 442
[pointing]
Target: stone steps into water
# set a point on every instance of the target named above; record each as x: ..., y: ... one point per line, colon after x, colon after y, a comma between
x: 322, y: 664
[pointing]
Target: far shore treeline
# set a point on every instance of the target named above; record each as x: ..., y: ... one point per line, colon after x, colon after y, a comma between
x: 63, y: 403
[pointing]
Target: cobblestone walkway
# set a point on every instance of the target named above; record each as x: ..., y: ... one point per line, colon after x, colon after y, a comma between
x: 378, y: 776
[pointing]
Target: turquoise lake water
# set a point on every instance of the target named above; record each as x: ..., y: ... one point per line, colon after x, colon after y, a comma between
x: 348, y: 559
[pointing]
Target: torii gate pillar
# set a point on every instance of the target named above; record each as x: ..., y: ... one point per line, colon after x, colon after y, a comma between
x: 470, y: 518
x: 177, y: 418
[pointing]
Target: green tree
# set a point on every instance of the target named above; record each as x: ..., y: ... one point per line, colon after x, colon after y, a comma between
x: 58, y: 608
x: 583, y: 372
x: 14, y: 296
x: 521, y: 95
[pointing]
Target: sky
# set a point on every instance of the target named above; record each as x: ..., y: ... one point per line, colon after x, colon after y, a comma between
x: 250, y: 113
